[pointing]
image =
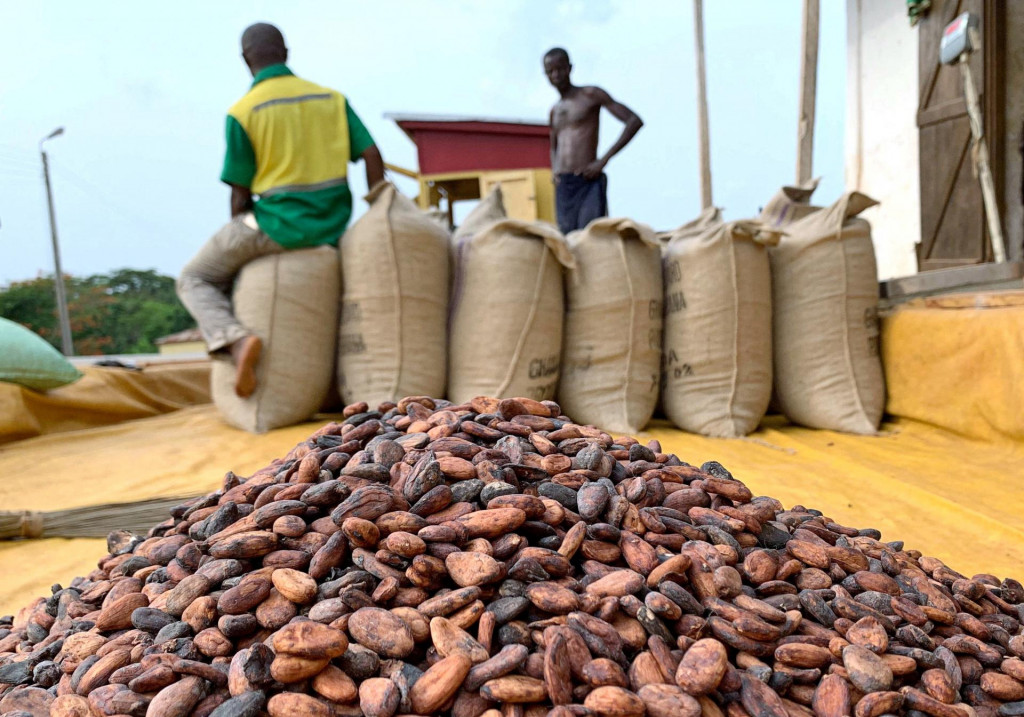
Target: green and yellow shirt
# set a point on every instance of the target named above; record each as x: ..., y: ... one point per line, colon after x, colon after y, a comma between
x: 290, y: 142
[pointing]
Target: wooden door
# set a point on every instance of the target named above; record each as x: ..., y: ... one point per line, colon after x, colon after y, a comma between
x: 953, y: 231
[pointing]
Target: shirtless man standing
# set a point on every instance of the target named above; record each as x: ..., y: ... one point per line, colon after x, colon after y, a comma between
x: 581, y: 187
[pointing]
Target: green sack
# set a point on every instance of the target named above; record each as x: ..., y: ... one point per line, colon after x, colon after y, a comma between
x: 28, y: 360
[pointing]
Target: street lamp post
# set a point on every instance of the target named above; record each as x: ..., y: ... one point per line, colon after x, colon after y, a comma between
x: 58, y: 281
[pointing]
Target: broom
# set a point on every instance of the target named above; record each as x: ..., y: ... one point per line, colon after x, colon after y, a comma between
x: 93, y: 521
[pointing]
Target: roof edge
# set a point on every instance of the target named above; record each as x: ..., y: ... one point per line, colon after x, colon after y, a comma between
x: 408, y: 117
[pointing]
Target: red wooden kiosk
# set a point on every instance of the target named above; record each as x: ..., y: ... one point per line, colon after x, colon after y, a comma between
x: 464, y: 158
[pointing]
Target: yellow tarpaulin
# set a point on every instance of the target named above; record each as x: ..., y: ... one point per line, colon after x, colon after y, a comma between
x: 183, y: 453
x: 102, y: 397
x: 958, y: 362
x: 30, y: 567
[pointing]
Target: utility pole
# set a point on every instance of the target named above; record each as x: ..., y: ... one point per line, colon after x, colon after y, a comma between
x: 58, y: 280
x: 703, y: 138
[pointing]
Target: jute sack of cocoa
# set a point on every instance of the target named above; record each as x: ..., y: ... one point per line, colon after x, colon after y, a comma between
x: 718, y: 329
x: 612, y: 345
x: 490, y: 209
x: 394, y: 307
x: 789, y: 204
x: 828, y: 371
x: 505, y: 331
x: 289, y: 300
x: 710, y: 217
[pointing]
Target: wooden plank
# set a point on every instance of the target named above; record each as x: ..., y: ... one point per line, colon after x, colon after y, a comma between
x: 951, y: 109
x: 952, y: 278
x: 940, y: 264
x: 988, y: 299
x: 402, y: 170
x: 703, y: 132
x: 808, y: 92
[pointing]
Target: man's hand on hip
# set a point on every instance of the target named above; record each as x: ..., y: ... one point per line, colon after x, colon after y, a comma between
x: 593, y: 170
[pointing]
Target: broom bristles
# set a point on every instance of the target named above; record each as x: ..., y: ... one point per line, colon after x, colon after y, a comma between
x: 93, y: 521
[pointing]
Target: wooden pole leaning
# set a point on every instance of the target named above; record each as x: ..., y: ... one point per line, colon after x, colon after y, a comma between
x: 702, y: 107
x: 808, y: 92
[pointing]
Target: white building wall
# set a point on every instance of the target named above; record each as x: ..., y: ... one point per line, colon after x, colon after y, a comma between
x: 881, y: 128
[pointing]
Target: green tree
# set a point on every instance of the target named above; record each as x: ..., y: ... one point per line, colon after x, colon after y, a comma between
x: 32, y: 304
x: 124, y: 311
x: 144, y: 306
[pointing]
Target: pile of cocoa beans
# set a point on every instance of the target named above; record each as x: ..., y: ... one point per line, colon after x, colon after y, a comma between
x: 494, y: 559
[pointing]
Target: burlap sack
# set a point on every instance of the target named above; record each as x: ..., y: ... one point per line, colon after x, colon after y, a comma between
x: 394, y: 306
x: 828, y: 371
x: 710, y: 217
x: 289, y: 300
x: 612, y: 346
x: 718, y: 329
x: 505, y: 331
x: 490, y: 209
x: 789, y: 204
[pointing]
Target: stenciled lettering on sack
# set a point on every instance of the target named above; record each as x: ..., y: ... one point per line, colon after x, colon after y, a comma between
x: 654, y: 311
x: 542, y: 392
x: 542, y: 368
x: 674, y: 302
x: 671, y: 366
x: 351, y: 311
x: 682, y: 371
x: 350, y: 344
x: 654, y: 339
x: 673, y: 273
x: 584, y: 362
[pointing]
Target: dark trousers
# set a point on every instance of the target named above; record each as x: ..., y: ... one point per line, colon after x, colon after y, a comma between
x: 579, y: 201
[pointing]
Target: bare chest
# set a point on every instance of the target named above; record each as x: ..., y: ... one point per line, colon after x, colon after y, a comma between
x: 573, y: 112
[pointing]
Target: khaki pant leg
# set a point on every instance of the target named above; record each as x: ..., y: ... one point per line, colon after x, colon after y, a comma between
x: 205, y: 283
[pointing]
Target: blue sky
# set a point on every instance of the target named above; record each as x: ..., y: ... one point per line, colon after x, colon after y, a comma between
x: 142, y: 90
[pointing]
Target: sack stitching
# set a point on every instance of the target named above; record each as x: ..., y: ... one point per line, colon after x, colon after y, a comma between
x: 632, y: 323
x: 847, y: 359
x: 527, y: 325
x: 734, y: 383
x: 270, y: 336
x: 397, y: 296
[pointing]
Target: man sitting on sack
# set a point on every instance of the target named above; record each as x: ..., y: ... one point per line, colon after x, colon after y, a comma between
x: 289, y: 143
x: 581, y: 187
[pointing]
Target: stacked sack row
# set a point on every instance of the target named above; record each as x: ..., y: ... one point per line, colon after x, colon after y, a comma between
x: 607, y: 320
x: 784, y: 305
